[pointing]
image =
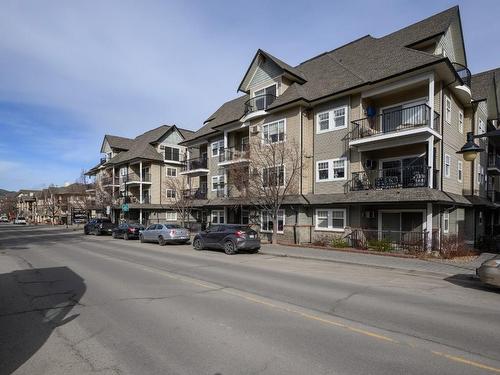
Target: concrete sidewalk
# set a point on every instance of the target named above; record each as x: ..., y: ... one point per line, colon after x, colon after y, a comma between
x: 410, y: 265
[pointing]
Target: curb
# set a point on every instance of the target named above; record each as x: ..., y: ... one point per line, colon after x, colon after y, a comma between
x: 404, y: 270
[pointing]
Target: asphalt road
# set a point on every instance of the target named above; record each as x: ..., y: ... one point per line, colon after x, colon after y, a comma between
x: 75, y: 304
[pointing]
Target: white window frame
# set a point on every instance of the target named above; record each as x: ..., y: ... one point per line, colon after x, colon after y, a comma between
x: 172, y: 214
x: 460, y: 171
x: 171, y: 169
x: 218, y: 214
x: 461, y: 121
x: 481, y: 129
x: 446, y: 222
x: 331, y: 119
x: 217, y: 178
x: 267, y: 125
x: 281, y: 212
x: 218, y: 144
x: 447, y: 166
x: 447, y: 112
x: 330, y: 212
x: 173, y: 147
x: 330, y: 170
x: 170, y: 190
x: 276, y: 166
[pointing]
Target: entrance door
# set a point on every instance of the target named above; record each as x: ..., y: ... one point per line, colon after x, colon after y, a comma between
x: 391, y: 226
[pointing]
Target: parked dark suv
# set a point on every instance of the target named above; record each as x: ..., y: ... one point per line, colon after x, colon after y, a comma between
x: 229, y: 237
x: 98, y: 227
x: 127, y: 231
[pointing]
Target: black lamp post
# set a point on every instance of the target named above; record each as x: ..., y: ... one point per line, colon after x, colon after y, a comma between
x: 470, y: 149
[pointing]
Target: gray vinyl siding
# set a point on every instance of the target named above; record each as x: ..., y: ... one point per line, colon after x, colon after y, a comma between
x: 446, y: 44
x: 213, y: 167
x: 330, y: 145
x: 266, y: 71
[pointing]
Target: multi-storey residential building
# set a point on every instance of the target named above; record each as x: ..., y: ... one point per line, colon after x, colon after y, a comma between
x: 26, y: 203
x: 62, y: 204
x: 378, y: 122
x: 133, y: 175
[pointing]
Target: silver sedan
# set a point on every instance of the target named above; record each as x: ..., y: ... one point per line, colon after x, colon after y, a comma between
x: 164, y: 233
x: 489, y: 272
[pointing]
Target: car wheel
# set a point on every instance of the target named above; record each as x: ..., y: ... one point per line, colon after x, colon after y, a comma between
x: 229, y: 248
x: 141, y: 238
x: 197, y: 244
x: 125, y: 237
x: 161, y: 241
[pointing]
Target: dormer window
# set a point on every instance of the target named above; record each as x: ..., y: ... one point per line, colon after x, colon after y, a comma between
x: 264, y: 97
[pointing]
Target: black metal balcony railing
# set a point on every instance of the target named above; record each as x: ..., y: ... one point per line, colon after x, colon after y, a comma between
x: 194, y: 164
x: 259, y: 103
x: 135, y: 177
x: 234, y: 153
x: 493, y: 161
x: 463, y: 72
x: 395, y: 121
x: 389, y: 241
x: 110, y: 181
x: 195, y: 194
x: 390, y: 178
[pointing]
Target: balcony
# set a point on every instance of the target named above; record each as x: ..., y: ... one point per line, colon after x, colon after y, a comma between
x: 134, y: 200
x: 463, y: 90
x: 390, y: 178
x: 110, y: 181
x: 135, y: 179
x: 233, y: 155
x: 258, y: 105
x: 394, y: 128
x: 195, y: 167
x: 494, y: 164
x: 194, y: 194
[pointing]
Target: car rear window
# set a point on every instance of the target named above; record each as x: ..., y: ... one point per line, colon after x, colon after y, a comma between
x: 172, y: 226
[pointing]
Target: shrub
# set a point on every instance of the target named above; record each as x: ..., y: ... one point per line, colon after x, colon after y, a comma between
x: 380, y: 245
x: 321, y: 241
x: 338, y: 242
x: 453, y: 246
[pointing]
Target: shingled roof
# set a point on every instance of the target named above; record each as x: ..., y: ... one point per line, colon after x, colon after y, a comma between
x: 486, y: 86
x: 364, y: 61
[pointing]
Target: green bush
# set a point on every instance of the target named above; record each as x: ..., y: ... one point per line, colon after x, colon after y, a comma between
x: 338, y: 243
x: 380, y: 245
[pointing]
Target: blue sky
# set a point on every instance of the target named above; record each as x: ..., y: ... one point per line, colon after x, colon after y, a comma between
x: 72, y: 71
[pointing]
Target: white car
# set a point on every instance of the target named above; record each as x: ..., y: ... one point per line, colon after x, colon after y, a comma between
x: 4, y: 219
x: 20, y: 220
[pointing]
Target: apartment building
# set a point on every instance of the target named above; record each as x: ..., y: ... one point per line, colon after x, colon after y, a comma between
x: 378, y: 122
x: 62, y: 204
x: 26, y: 203
x: 132, y: 178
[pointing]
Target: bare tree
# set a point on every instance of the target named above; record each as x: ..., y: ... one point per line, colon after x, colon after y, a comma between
x: 182, y: 197
x: 271, y: 175
x: 8, y: 205
x: 51, y: 206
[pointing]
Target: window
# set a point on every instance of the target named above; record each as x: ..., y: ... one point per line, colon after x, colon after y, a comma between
x: 172, y: 153
x: 218, y: 148
x: 331, y: 170
x: 459, y: 170
x: 446, y: 222
x: 217, y: 182
x: 447, y: 165
x: 171, y: 216
x: 330, y: 219
x: 273, y: 176
x: 461, y: 121
x: 332, y: 120
x: 245, y: 217
x: 217, y: 217
x: 274, y: 132
x: 481, y: 127
x: 171, y: 172
x: 171, y: 193
x: 267, y: 221
x: 265, y: 97
x: 448, y: 110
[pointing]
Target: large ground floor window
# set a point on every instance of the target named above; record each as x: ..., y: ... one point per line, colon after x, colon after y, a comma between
x: 330, y: 219
x: 217, y: 217
x: 267, y: 221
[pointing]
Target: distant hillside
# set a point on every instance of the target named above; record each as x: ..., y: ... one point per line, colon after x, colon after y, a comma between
x: 4, y: 192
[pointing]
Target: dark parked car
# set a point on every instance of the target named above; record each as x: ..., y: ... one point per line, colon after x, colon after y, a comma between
x: 127, y: 231
x: 98, y: 227
x: 229, y: 237
x: 165, y: 233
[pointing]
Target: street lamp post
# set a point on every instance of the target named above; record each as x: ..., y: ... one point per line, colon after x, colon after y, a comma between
x: 470, y: 149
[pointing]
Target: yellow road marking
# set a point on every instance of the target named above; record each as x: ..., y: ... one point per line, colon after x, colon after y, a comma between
x: 467, y: 362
